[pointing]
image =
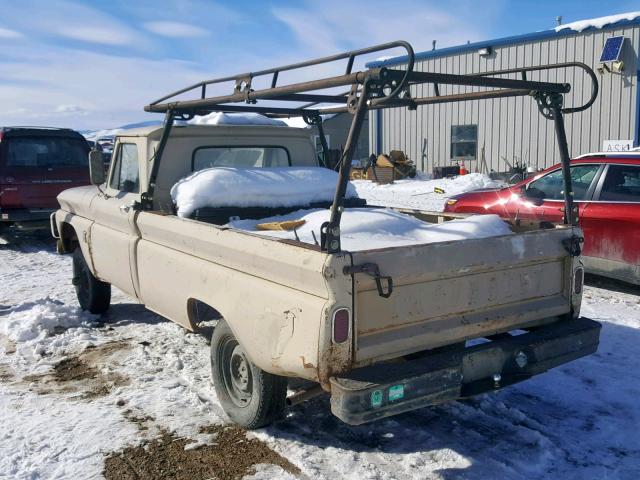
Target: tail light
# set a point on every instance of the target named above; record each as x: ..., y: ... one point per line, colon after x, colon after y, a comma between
x: 341, y: 325
x: 578, y: 281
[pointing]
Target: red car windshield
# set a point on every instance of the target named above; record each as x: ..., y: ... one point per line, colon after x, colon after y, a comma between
x: 46, y: 152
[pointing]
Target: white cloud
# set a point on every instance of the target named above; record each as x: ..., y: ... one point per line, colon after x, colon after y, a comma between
x: 82, y: 89
x: 335, y: 25
x: 97, y: 34
x: 71, y: 110
x: 7, y: 33
x: 68, y: 19
x: 175, y: 29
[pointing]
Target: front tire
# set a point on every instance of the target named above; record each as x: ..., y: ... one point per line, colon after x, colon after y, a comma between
x: 93, y: 294
x: 250, y: 396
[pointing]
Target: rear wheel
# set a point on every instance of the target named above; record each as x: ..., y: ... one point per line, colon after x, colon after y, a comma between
x: 93, y: 294
x: 250, y: 396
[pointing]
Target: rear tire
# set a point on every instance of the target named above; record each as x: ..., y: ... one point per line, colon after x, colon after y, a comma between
x: 250, y: 396
x: 93, y: 294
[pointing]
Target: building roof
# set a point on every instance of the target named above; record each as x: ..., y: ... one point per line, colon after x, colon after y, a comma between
x: 612, y: 21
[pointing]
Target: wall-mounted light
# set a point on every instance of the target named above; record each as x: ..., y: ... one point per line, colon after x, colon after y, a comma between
x: 617, y: 67
x: 485, y: 51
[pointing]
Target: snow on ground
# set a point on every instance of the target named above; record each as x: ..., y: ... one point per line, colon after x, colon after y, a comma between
x: 75, y: 387
x: 364, y: 229
x: 576, y: 422
x: 419, y: 193
x: 250, y: 187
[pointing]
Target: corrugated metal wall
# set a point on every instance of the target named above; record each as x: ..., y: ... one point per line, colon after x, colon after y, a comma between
x: 337, y: 129
x: 512, y: 128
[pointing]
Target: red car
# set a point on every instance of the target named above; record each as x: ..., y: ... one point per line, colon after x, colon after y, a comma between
x: 36, y: 164
x: 607, y: 191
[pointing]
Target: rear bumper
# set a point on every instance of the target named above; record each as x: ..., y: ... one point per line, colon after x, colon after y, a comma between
x: 442, y: 375
x: 26, y: 215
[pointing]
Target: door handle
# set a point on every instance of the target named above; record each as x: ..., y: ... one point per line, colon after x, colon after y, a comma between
x: 125, y: 208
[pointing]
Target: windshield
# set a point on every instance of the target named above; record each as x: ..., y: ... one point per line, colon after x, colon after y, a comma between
x: 47, y: 152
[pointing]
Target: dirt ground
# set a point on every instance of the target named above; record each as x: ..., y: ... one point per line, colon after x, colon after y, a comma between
x: 230, y: 456
x: 88, y: 373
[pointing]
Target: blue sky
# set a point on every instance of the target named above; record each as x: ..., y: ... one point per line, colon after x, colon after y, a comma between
x: 96, y: 64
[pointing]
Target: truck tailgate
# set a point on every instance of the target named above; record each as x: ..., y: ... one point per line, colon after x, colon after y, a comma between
x: 453, y: 291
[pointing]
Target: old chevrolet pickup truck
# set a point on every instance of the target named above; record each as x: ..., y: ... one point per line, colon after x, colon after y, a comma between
x: 384, y: 330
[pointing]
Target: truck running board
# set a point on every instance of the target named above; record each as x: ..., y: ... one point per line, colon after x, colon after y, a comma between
x: 386, y: 389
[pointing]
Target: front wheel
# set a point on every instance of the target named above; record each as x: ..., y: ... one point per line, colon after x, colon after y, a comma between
x: 250, y: 396
x: 93, y: 294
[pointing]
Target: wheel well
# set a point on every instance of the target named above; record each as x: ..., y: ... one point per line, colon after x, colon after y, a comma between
x: 200, y: 311
x: 68, y: 238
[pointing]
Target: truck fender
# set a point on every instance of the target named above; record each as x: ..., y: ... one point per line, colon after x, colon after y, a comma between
x: 74, y: 232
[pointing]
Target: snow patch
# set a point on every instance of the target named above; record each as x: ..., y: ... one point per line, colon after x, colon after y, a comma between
x: 252, y: 187
x: 365, y: 229
x: 105, y: 133
x: 419, y: 193
x: 34, y: 322
x: 599, y: 22
x: 221, y: 118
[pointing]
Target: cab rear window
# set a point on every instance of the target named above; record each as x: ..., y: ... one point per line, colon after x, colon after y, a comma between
x: 46, y: 152
x: 240, y: 157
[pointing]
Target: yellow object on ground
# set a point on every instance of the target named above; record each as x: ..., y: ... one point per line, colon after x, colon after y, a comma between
x: 286, y: 225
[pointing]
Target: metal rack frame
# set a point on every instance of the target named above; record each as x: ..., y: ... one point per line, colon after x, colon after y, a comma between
x: 370, y: 89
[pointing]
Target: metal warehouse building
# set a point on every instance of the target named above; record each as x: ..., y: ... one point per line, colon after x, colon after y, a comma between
x: 499, y: 133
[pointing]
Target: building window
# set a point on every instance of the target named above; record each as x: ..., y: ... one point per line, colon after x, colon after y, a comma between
x: 464, y: 142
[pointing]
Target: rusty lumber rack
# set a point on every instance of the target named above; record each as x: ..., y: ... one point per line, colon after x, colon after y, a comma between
x: 369, y: 89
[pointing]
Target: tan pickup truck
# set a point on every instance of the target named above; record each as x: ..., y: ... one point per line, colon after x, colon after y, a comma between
x: 382, y: 331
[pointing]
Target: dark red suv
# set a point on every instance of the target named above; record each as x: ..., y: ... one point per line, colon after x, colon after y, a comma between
x: 36, y: 164
x: 607, y: 190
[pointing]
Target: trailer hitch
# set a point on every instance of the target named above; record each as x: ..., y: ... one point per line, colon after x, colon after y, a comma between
x: 373, y: 270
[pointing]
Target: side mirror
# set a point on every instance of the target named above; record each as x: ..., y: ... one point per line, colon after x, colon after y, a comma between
x: 96, y: 167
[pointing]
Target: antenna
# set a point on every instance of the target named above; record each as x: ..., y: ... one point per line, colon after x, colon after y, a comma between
x: 434, y: 45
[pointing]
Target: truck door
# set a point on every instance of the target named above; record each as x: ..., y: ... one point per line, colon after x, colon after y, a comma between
x: 114, y: 234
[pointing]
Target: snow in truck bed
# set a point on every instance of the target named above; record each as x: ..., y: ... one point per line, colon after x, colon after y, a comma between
x: 370, y: 228
x: 255, y: 187
x: 362, y: 228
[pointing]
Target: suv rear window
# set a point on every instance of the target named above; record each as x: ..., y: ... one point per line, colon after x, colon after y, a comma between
x: 46, y: 152
x: 240, y: 157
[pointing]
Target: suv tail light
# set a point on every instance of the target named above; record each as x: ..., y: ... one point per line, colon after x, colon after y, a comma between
x: 578, y: 281
x: 341, y: 325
